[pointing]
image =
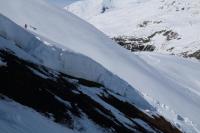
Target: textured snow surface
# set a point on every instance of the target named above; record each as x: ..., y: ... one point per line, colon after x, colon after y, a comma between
x: 61, y: 3
x: 67, y: 56
x: 64, y: 42
x: 15, y: 118
x: 2, y: 63
x: 182, y: 73
x: 142, y: 18
x: 34, y: 49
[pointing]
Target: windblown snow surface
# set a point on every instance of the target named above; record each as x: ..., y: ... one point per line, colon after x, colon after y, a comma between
x: 15, y: 118
x: 145, y: 18
x: 62, y: 41
x: 61, y: 3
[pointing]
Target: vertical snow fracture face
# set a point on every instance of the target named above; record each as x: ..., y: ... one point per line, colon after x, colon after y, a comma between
x: 62, y: 98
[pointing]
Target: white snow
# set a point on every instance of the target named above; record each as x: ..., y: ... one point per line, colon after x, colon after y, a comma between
x: 61, y: 55
x: 118, y: 115
x: 185, y: 74
x: 89, y: 8
x: 77, y: 48
x: 126, y: 16
x: 145, y: 125
x: 61, y: 3
x: 15, y: 118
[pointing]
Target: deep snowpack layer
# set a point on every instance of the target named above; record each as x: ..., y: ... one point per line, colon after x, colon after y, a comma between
x: 65, y: 34
x: 19, y: 118
x: 63, y: 60
x: 78, y: 104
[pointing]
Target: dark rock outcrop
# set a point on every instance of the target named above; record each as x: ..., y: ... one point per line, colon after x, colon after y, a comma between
x: 62, y: 97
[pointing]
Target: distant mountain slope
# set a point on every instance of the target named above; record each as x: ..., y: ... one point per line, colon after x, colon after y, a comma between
x: 171, y: 26
x: 61, y: 3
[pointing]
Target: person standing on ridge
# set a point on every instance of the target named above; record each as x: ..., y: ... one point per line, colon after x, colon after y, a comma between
x: 25, y: 26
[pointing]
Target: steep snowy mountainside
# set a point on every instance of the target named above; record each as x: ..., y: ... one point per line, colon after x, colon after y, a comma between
x: 66, y: 61
x: 90, y: 8
x: 15, y: 118
x: 65, y: 43
x: 61, y: 3
x: 172, y: 26
x: 78, y: 105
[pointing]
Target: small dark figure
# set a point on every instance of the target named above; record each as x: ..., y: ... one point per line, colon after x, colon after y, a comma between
x: 25, y: 26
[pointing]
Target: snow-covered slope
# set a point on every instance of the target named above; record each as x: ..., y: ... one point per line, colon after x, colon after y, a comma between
x: 88, y: 9
x: 61, y: 3
x: 52, y: 55
x: 172, y: 26
x: 77, y: 104
x: 15, y: 118
x: 67, y: 44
